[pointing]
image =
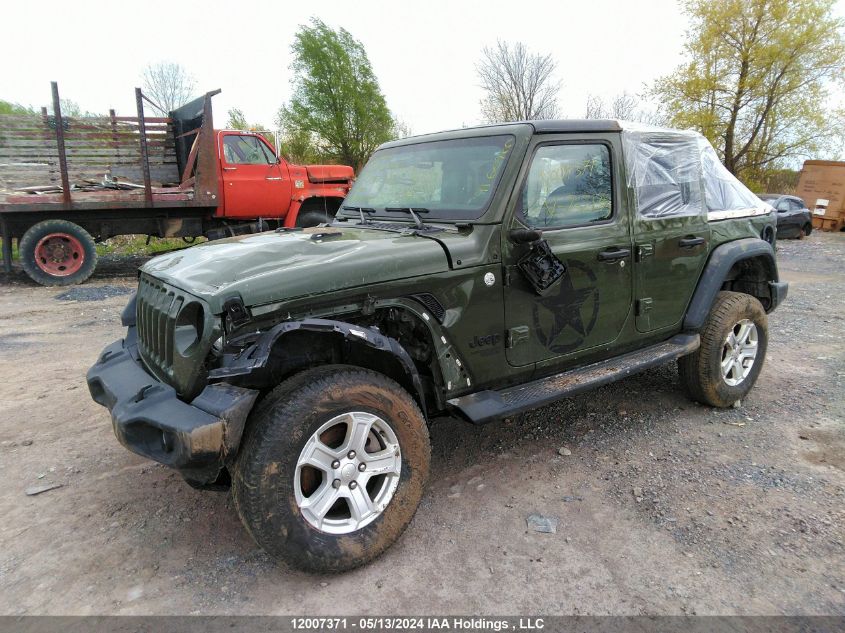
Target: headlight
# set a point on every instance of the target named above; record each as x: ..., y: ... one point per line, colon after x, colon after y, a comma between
x: 189, y: 327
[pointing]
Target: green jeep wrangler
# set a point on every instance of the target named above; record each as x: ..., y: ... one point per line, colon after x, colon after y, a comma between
x: 477, y: 274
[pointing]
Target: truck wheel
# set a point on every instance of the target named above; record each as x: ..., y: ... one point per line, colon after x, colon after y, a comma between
x: 733, y: 348
x: 58, y: 253
x: 332, y: 468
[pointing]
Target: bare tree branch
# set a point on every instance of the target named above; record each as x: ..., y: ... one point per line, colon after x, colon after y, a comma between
x: 624, y: 107
x: 519, y: 84
x: 168, y: 85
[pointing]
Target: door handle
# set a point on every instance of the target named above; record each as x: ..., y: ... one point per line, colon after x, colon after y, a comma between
x: 691, y: 242
x: 614, y: 254
x: 230, y: 169
x: 273, y: 178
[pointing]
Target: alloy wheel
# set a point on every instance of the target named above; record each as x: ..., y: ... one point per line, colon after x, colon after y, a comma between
x: 347, y: 472
x: 739, y: 352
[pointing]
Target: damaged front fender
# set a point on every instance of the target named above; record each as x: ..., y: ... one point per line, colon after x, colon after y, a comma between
x: 251, y: 366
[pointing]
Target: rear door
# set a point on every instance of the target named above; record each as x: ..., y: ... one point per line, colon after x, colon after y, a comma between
x: 571, y: 191
x: 671, y: 231
x: 254, y: 185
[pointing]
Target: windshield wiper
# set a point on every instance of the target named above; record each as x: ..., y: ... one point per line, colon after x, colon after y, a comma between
x: 413, y: 211
x: 361, y: 211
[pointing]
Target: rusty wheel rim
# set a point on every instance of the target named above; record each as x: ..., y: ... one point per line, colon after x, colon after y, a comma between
x: 59, y: 254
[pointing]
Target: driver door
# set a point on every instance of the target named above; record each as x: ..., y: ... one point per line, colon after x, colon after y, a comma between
x: 571, y: 192
x: 254, y: 185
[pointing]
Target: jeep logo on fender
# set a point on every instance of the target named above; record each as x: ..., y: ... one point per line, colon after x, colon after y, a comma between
x: 483, y: 341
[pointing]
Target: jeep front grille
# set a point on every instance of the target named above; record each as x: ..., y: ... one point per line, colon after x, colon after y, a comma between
x: 158, y: 305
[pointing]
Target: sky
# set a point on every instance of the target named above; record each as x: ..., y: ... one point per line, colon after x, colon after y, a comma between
x: 423, y: 53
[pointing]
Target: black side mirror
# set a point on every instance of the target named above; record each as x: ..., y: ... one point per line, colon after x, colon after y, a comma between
x: 525, y: 236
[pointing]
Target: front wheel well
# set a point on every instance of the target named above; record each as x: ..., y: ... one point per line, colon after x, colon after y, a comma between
x: 325, y: 204
x: 303, y: 349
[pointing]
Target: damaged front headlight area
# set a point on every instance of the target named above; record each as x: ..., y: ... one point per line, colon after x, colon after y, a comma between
x: 189, y: 328
x: 235, y: 314
x: 230, y: 343
x: 173, y: 332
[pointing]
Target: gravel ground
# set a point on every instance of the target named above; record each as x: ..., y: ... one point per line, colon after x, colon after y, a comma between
x: 659, y: 505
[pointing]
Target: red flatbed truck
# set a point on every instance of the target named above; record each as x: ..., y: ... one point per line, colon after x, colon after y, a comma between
x: 69, y: 183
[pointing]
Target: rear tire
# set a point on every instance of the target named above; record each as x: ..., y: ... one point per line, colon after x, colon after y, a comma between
x: 733, y: 348
x: 322, y: 524
x: 807, y: 229
x: 58, y: 253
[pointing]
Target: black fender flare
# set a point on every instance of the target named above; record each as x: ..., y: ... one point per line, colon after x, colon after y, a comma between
x: 252, y: 361
x: 721, y: 260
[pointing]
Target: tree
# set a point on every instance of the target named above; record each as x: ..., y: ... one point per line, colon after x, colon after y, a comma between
x: 755, y: 80
x: 237, y: 120
x: 300, y: 147
x: 401, y: 129
x: 7, y: 107
x: 337, y: 103
x: 625, y: 107
x: 168, y: 85
x: 72, y: 110
x: 519, y: 84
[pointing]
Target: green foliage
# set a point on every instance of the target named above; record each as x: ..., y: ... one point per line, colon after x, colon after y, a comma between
x: 755, y: 80
x: 337, y: 104
x: 70, y: 109
x: 137, y: 245
x: 300, y: 147
x: 779, y: 181
x: 7, y: 107
x: 237, y: 120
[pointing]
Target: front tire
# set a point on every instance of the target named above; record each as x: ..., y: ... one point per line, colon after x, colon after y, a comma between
x: 733, y: 348
x: 332, y: 468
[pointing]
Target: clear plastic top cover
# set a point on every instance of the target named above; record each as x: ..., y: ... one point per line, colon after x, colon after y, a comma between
x: 674, y: 172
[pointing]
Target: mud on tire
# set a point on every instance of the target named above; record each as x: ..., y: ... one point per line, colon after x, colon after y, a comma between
x: 263, y: 478
x: 701, y: 372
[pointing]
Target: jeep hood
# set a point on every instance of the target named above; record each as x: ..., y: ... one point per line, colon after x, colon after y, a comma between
x: 286, y: 265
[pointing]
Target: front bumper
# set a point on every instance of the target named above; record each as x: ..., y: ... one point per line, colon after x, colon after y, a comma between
x: 196, y: 438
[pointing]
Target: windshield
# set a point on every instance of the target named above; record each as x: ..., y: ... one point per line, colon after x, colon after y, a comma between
x: 449, y: 180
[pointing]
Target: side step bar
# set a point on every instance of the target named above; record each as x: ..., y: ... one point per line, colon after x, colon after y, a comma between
x: 485, y: 406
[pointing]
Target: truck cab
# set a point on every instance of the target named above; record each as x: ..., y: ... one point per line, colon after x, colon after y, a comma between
x: 256, y: 182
